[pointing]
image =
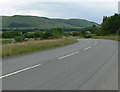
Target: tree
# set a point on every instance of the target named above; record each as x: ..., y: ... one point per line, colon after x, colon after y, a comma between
x: 110, y: 25
x: 10, y: 34
x: 53, y: 33
x: 38, y: 34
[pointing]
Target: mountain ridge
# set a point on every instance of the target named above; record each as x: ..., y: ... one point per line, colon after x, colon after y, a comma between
x: 26, y: 21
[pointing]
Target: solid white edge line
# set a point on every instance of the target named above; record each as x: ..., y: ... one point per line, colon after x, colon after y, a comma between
x: 68, y: 55
x: 20, y: 71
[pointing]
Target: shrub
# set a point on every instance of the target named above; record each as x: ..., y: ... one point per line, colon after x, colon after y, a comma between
x: 67, y: 34
x: 38, y: 34
x: 29, y: 35
x: 88, y: 35
x: 19, y: 38
x: 75, y: 33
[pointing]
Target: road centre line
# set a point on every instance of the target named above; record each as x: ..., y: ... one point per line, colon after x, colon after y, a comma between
x: 87, y: 47
x: 68, y: 55
x: 25, y: 69
x: 19, y: 71
x: 95, y: 43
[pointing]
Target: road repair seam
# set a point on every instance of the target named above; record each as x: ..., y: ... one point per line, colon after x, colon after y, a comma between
x: 22, y: 70
x: 68, y: 55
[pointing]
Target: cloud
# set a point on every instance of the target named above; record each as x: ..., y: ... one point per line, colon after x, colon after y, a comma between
x: 12, y: 1
x: 93, y: 10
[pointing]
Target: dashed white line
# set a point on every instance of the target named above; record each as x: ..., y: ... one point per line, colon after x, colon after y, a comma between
x: 87, y: 47
x: 68, y: 55
x: 95, y: 43
x: 22, y: 70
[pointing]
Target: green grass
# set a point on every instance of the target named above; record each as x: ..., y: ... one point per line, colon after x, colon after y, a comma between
x: 31, y: 46
x: 5, y: 41
x: 112, y: 37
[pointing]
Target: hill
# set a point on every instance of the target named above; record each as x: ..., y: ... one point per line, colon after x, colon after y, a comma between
x: 18, y: 21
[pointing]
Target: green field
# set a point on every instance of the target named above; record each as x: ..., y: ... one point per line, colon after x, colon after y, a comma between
x: 31, y: 46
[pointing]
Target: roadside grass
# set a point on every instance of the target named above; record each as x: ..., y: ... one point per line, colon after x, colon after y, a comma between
x: 5, y: 41
x: 112, y: 37
x: 31, y: 46
x: 0, y: 50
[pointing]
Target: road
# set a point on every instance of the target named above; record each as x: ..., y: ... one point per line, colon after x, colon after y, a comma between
x: 90, y: 64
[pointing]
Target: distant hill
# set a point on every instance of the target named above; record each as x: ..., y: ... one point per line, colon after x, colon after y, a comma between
x: 18, y: 21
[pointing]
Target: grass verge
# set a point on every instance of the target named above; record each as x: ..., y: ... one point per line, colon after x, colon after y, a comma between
x: 5, y: 41
x: 31, y: 46
x: 107, y: 37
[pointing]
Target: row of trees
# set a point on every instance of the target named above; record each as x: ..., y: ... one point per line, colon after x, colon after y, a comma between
x: 54, y: 33
x: 39, y: 29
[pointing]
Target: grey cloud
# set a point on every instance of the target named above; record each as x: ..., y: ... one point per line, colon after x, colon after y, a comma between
x: 90, y: 11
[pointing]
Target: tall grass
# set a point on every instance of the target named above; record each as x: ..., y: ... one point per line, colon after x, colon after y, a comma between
x: 31, y: 46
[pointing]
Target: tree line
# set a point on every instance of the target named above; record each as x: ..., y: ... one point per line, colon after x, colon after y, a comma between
x: 109, y: 26
x: 54, y: 33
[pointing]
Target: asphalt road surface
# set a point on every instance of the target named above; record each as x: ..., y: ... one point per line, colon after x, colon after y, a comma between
x: 90, y: 64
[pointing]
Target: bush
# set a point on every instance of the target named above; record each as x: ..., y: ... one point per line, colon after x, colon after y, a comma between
x: 19, y: 38
x: 89, y: 35
x: 29, y: 35
x: 67, y: 34
x: 38, y: 34
x: 75, y: 33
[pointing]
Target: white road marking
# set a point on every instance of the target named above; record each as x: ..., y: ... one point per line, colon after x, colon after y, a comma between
x: 87, y: 47
x: 68, y: 55
x: 20, y: 71
x: 95, y: 43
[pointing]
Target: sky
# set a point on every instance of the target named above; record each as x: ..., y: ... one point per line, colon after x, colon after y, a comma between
x: 94, y: 10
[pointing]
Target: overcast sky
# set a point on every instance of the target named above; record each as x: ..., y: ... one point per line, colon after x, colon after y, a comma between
x: 93, y: 10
